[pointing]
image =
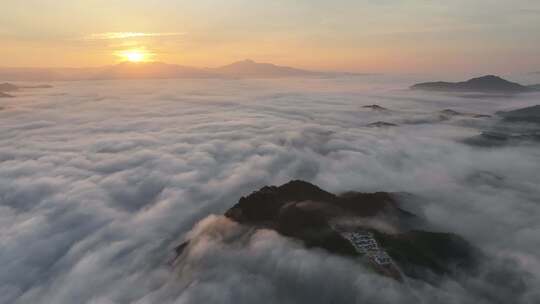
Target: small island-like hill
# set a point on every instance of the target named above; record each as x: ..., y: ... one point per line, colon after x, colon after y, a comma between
x: 484, y: 84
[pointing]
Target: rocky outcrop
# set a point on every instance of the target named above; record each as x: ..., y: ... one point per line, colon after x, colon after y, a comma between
x: 519, y: 126
x: 375, y: 107
x: 449, y: 113
x: 381, y: 124
x: 528, y: 114
x: 349, y: 225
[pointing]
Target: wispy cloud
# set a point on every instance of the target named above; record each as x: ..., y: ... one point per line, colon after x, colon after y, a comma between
x: 127, y: 35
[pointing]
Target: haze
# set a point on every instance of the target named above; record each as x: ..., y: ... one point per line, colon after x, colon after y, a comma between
x: 460, y: 37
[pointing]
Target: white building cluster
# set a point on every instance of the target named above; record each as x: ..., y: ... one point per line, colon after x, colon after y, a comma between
x: 365, y: 243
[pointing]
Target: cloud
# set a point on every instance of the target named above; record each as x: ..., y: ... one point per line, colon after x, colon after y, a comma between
x: 100, y: 180
x: 127, y: 35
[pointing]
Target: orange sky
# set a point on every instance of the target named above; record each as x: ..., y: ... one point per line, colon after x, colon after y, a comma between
x: 387, y: 36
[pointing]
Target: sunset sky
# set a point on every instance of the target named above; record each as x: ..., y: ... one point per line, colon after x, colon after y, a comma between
x: 353, y: 35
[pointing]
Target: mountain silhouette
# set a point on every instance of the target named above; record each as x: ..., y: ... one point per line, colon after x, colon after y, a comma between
x: 159, y: 70
x: 484, y: 84
x: 515, y: 127
x: 529, y: 114
x: 8, y: 87
x: 152, y: 70
x: 250, y: 68
x: 340, y: 224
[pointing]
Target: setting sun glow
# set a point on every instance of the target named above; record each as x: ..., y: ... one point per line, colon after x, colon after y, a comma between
x: 134, y: 55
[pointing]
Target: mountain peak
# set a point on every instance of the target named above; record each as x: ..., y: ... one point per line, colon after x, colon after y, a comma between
x: 248, y: 67
x: 246, y: 63
x: 487, y: 84
x: 342, y: 225
x: 492, y: 77
x: 488, y: 79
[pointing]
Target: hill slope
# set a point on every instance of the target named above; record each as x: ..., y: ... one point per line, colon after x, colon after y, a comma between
x: 485, y: 84
x: 344, y: 225
x: 250, y: 68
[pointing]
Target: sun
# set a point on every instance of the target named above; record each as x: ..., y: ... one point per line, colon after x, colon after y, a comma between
x: 134, y: 55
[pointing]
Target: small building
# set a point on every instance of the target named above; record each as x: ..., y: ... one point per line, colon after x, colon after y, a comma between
x: 365, y: 243
x: 381, y: 258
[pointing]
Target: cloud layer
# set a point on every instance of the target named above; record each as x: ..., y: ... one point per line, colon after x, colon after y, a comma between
x: 100, y: 180
x: 127, y: 35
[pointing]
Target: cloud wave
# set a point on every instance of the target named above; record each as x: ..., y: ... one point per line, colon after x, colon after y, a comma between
x: 100, y: 180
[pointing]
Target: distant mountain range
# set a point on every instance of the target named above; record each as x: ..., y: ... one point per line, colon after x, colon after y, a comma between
x: 9, y: 87
x: 485, y: 84
x: 251, y: 68
x: 158, y: 70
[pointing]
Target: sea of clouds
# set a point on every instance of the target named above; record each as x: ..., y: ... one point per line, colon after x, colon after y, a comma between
x: 99, y: 181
